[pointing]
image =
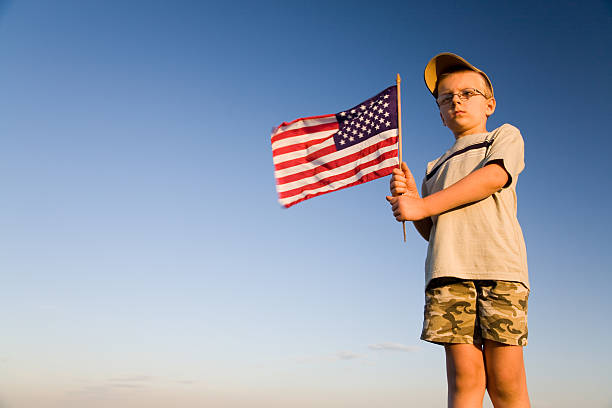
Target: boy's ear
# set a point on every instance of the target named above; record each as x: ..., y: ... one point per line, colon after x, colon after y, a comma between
x: 441, y: 117
x: 491, y: 103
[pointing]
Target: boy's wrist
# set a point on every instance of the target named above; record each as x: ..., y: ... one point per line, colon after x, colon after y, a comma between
x: 427, y: 207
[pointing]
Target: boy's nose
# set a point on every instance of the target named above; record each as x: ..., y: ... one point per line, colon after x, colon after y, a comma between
x: 456, y: 99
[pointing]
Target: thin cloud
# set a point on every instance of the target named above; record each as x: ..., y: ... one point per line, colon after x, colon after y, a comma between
x: 393, y: 347
x: 348, y: 355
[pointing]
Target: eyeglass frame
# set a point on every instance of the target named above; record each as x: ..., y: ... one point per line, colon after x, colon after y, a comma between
x: 461, y: 98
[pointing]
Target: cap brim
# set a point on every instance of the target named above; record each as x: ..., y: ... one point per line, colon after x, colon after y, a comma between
x: 442, y: 63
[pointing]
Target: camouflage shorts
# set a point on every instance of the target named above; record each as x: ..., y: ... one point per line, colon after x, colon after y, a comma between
x: 466, y: 311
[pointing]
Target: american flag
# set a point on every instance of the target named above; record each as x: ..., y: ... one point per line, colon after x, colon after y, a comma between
x: 320, y: 154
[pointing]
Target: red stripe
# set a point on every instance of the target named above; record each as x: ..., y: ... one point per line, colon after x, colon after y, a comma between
x: 338, y: 162
x: 299, y: 146
x: 305, y: 159
x: 304, y: 130
x: 368, y: 177
x: 328, y: 180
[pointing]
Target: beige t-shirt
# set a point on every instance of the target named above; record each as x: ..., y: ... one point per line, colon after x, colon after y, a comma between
x: 481, y: 240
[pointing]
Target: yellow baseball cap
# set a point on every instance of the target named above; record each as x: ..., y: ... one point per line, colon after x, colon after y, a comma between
x: 441, y: 63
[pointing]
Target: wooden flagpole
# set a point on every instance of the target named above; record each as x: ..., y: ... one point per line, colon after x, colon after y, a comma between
x: 399, y: 131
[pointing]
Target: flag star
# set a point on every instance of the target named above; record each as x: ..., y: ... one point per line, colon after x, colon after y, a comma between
x: 351, y: 139
x: 370, y: 130
x: 348, y: 129
x: 361, y: 118
x: 367, y: 121
x: 362, y: 107
x: 340, y: 133
x: 370, y: 114
x: 381, y: 120
x: 342, y: 142
x: 380, y: 110
x: 388, y: 123
x: 380, y: 102
x: 376, y: 117
x: 353, y: 111
x: 354, y: 131
x: 345, y: 122
x: 342, y: 113
x: 377, y: 127
x: 386, y: 114
x: 357, y: 125
x: 371, y: 103
x: 386, y: 104
x: 360, y: 134
x: 386, y: 96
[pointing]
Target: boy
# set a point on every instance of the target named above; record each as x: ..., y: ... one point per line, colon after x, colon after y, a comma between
x: 476, y: 268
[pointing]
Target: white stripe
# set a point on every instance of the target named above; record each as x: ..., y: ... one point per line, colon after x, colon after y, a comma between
x: 333, y: 172
x: 304, y: 123
x: 329, y: 157
x: 302, y: 138
x: 340, y: 183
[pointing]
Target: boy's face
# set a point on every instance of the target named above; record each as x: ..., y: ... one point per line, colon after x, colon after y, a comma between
x: 464, y: 117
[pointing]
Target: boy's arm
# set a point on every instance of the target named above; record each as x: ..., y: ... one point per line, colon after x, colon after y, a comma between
x: 402, y: 182
x: 474, y: 187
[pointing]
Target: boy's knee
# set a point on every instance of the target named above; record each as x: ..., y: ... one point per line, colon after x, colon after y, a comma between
x: 466, y: 376
x: 508, y: 388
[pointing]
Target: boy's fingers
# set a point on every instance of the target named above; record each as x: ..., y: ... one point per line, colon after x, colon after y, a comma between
x: 398, y: 177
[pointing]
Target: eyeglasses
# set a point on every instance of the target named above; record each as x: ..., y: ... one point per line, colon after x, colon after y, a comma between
x: 464, y: 94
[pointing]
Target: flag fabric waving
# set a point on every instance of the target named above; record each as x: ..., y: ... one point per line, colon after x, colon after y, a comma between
x: 321, y: 154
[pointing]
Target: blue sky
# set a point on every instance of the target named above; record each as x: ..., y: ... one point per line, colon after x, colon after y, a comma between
x: 146, y: 262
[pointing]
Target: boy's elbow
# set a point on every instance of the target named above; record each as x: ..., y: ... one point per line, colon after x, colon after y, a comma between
x: 499, y: 177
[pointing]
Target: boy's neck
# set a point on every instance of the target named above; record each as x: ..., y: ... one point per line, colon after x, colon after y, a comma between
x: 476, y: 130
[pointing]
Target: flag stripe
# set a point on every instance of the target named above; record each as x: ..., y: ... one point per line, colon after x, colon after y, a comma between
x: 314, y: 153
x: 301, y: 122
x: 300, y: 146
x: 384, y: 169
x: 339, y: 165
x: 304, y: 138
x: 304, y: 130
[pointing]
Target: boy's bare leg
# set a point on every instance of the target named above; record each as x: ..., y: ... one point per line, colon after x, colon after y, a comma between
x: 506, y: 379
x: 465, y: 373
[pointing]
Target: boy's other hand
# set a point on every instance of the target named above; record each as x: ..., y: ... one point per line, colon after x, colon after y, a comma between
x: 402, y: 182
x: 408, y: 208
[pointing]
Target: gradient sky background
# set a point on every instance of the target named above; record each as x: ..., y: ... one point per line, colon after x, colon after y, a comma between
x: 146, y: 262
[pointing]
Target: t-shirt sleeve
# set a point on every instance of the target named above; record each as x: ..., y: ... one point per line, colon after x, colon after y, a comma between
x: 508, y: 149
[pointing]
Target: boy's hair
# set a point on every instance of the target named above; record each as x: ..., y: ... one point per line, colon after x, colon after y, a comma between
x: 459, y: 68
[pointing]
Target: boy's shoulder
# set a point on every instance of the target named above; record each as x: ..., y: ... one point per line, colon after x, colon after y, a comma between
x: 468, y: 142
